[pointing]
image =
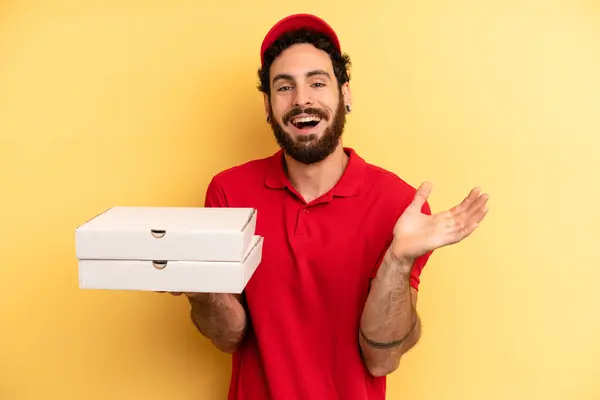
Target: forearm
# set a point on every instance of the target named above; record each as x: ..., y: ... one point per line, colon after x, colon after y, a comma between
x: 221, y: 318
x: 390, y: 325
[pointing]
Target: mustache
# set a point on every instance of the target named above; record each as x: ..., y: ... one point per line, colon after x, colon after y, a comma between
x: 309, y: 110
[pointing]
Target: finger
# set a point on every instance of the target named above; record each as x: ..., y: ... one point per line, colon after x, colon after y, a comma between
x: 468, y: 201
x: 477, y: 209
x: 463, y: 228
x: 478, y: 214
x: 474, y: 208
x: 422, y: 195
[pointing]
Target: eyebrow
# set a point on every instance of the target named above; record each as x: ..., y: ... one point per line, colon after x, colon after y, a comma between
x: 308, y: 75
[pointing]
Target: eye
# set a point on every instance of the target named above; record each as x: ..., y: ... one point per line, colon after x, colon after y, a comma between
x: 284, y: 88
x: 318, y: 84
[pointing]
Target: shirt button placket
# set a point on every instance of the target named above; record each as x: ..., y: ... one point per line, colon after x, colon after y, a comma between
x: 302, y: 214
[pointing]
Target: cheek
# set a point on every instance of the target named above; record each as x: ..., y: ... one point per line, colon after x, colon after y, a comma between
x: 330, y: 102
x: 279, y: 107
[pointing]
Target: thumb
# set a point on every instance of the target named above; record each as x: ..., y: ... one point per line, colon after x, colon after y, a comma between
x: 421, y: 195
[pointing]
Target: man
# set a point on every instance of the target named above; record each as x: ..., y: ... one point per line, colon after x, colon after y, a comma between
x: 331, y: 309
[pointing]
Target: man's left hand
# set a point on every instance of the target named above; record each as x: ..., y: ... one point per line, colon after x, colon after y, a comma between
x: 416, y: 233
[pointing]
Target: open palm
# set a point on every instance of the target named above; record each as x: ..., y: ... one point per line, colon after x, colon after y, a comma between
x: 416, y: 233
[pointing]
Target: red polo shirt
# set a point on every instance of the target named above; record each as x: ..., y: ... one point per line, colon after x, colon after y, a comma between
x: 306, y: 297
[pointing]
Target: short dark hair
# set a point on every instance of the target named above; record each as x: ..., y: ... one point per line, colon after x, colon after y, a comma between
x: 341, y: 61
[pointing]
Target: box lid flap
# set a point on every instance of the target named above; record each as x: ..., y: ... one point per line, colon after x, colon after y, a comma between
x: 171, y: 218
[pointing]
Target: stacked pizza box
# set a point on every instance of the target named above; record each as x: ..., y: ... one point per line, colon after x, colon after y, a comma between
x: 173, y: 249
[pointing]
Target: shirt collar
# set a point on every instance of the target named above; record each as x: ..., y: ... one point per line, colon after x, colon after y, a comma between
x: 350, y: 184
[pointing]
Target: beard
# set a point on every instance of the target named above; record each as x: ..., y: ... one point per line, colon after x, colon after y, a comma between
x: 310, y: 149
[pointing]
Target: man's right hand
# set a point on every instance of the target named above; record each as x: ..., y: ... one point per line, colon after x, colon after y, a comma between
x: 221, y: 317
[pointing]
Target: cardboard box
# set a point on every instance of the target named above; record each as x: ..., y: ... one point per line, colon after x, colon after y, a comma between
x: 172, y: 276
x: 182, y: 249
x: 167, y: 233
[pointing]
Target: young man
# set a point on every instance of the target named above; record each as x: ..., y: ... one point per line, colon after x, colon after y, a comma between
x: 332, y: 307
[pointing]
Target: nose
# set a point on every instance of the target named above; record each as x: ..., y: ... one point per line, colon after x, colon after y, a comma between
x: 302, y: 97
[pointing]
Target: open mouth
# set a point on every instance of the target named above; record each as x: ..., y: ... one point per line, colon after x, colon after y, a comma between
x: 306, y: 123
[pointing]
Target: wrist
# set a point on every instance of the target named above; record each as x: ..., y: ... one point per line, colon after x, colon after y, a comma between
x: 400, y: 253
x: 400, y: 261
x: 393, y: 272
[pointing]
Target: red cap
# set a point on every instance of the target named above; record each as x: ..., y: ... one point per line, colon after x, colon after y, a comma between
x: 298, y: 21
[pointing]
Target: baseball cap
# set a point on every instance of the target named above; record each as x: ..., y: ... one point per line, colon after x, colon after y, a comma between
x: 297, y: 21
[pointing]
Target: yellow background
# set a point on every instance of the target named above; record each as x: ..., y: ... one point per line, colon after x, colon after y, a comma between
x: 124, y: 102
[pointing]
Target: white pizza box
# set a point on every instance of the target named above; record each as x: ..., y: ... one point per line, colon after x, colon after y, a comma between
x: 172, y: 276
x: 167, y: 233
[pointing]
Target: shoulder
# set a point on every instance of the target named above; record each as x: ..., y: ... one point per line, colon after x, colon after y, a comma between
x: 231, y: 186
x: 388, y: 190
x: 238, y: 174
x: 387, y: 184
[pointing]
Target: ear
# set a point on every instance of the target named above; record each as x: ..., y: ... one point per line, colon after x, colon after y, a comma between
x: 347, y: 95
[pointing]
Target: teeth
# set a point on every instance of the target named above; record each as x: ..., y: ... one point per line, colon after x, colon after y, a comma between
x: 306, y: 119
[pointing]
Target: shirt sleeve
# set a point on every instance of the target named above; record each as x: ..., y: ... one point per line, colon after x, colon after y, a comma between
x: 419, y: 264
x: 215, y: 195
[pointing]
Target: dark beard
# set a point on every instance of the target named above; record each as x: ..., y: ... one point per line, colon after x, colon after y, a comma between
x: 308, y: 149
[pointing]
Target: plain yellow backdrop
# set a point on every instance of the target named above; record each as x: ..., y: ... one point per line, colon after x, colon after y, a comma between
x: 124, y: 102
